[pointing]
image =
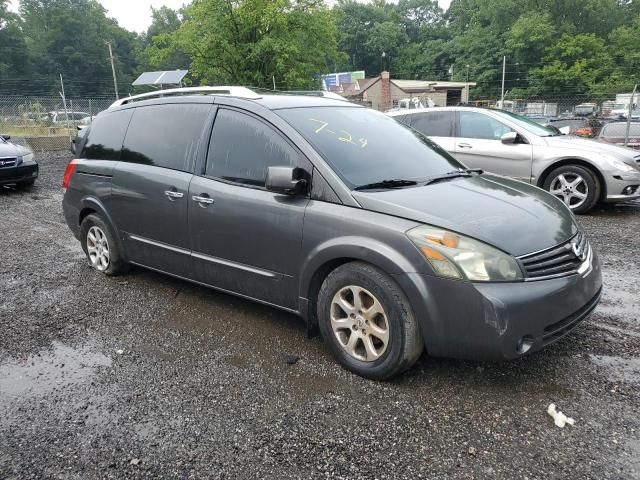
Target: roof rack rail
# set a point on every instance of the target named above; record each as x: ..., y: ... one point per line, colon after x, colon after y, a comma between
x: 242, y: 92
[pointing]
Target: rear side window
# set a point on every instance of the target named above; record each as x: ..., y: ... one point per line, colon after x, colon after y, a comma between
x: 478, y: 125
x: 434, y: 124
x: 620, y: 130
x: 165, y: 135
x: 242, y: 148
x: 106, y: 134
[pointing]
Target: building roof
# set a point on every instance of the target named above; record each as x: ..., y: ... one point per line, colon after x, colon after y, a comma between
x: 413, y: 85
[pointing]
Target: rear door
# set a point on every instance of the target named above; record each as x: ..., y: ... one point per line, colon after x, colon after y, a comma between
x: 438, y: 125
x: 478, y: 145
x: 246, y: 239
x: 151, y: 183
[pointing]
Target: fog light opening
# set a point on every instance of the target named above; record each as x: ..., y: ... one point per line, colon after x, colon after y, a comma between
x: 524, y: 345
x: 630, y: 190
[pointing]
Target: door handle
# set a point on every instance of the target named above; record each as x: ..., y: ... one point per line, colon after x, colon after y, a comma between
x: 464, y: 145
x: 203, y: 201
x: 172, y: 194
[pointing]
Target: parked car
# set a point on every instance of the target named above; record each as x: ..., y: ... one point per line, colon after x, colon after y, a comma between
x: 578, y: 171
x: 616, y: 133
x: 293, y: 201
x: 60, y: 116
x: 579, y: 126
x: 17, y: 165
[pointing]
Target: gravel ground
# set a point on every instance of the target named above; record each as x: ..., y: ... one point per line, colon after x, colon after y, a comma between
x: 145, y: 376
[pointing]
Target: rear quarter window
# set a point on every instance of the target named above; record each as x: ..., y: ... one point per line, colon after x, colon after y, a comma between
x: 434, y: 124
x: 104, y: 140
x: 166, y: 136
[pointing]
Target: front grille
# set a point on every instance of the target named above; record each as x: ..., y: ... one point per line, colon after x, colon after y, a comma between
x: 8, y: 162
x: 557, y: 261
x: 556, y: 330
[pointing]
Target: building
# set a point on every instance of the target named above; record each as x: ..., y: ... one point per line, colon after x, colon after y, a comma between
x: 383, y: 92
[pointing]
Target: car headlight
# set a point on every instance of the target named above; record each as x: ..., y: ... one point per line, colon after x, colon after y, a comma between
x: 455, y: 256
x: 619, y: 164
x: 26, y: 158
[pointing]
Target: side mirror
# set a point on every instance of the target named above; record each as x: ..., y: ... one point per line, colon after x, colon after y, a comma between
x: 509, y: 137
x: 6, y: 137
x: 285, y: 180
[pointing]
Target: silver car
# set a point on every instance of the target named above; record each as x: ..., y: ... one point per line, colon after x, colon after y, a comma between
x: 579, y: 171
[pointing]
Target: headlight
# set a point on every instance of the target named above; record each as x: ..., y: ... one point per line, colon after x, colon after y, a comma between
x: 619, y: 164
x: 26, y: 158
x: 456, y: 256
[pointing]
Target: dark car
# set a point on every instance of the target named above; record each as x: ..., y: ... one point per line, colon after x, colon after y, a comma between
x: 616, y: 133
x: 365, y: 228
x: 17, y: 165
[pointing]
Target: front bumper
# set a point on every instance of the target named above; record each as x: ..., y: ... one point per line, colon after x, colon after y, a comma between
x: 499, y: 321
x: 22, y: 173
x: 617, y: 184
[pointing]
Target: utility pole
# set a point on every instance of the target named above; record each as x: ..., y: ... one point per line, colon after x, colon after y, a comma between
x: 66, y: 113
x: 113, y: 70
x: 629, y: 113
x: 504, y: 71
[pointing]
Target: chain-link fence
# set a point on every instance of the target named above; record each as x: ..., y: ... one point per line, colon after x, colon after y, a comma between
x: 43, y: 123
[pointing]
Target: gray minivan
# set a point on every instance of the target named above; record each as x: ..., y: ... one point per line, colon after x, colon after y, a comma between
x: 368, y: 230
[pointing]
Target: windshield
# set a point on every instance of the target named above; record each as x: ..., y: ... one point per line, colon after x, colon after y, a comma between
x: 528, y: 124
x: 364, y: 146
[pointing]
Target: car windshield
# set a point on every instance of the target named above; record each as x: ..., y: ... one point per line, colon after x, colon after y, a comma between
x: 364, y: 146
x: 528, y: 124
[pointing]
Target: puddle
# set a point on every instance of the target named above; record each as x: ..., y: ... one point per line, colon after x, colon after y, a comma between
x: 51, y: 369
x: 620, y: 369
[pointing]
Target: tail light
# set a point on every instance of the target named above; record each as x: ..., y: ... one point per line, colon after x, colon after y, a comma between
x: 71, y: 167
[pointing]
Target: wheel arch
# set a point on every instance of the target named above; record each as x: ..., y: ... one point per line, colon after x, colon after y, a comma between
x: 327, y: 257
x: 92, y: 205
x: 580, y: 162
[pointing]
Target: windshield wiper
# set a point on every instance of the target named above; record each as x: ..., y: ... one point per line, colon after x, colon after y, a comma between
x: 396, y: 183
x: 461, y: 172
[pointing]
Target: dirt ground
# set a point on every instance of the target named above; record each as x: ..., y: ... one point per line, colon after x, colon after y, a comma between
x: 145, y: 376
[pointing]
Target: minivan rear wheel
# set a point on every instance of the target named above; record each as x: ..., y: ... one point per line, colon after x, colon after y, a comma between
x: 100, y: 246
x: 368, y: 322
x: 575, y: 185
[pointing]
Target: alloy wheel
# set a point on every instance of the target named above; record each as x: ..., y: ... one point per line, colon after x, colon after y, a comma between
x: 98, y: 249
x: 571, y: 188
x: 360, y: 324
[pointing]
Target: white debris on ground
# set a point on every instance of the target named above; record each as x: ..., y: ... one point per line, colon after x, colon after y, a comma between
x: 559, y: 418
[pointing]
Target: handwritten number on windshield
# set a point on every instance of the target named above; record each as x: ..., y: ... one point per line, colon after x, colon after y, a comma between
x: 344, y: 136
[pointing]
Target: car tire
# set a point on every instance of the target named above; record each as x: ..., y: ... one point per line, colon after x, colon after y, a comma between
x: 101, y: 247
x: 357, y: 304
x: 576, y: 186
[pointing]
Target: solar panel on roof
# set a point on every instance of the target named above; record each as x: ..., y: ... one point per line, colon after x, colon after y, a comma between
x: 169, y: 77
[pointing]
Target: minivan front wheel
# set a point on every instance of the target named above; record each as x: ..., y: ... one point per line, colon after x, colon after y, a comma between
x: 575, y: 186
x: 100, y: 246
x: 368, y: 322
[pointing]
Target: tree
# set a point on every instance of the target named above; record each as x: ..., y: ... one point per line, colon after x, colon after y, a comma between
x: 68, y: 37
x: 575, y: 64
x: 160, y: 52
x: 13, y: 49
x: 250, y: 42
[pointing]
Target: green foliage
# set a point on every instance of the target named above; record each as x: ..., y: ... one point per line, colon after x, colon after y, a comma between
x: 556, y: 47
x: 249, y: 42
x: 68, y: 37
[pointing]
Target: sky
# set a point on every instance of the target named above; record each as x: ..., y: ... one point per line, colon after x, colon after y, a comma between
x: 136, y: 14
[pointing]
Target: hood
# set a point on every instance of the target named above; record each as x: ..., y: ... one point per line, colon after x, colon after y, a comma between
x: 516, y: 217
x: 591, y: 146
x: 10, y: 150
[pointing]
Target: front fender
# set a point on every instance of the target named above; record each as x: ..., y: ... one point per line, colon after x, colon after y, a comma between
x: 353, y: 248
